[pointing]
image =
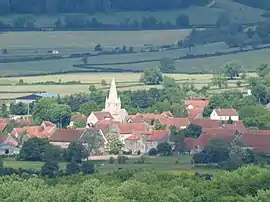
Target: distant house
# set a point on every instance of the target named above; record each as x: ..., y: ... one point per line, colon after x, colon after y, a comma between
x: 257, y: 140
x: 34, y: 97
x: 180, y: 123
x: 144, y: 141
x: 8, y: 145
x: 95, y: 117
x: 63, y: 137
x: 198, y: 145
x: 125, y: 130
x: 148, y: 118
x: 195, y: 107
x: 224, y: 114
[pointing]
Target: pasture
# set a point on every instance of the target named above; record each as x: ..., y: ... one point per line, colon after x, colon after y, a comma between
x: 85, y: 40
x: 124, y: 81
x: 139, y: 61
x: 174, y: 165
x: 197, y: 15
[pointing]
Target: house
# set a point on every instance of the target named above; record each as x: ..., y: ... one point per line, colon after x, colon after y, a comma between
x: 236, y: 125
x: 43, y: 131
x: 224, y: 114
x: 206, y: 122
x: 195, y: 108
x: 257, y: 140
x: 8, y: 146
x: 63, y: 137
x: 189, y: 143
x: 196, y: 104
x: 144, y: 141
x: 34, y: 97
x: 125, y: 130
x: 148, y: 118
x: 94, y: 117
x: 180, y: 123
x: 228, y: 135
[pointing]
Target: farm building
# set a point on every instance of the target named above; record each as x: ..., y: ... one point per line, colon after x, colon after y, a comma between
x: 34, y: 97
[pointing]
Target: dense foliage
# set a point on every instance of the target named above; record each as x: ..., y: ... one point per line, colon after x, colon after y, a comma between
x: 92, y: 6
x: 247, y: 184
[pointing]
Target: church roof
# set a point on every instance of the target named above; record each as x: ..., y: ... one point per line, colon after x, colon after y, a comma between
x: 103, y: 115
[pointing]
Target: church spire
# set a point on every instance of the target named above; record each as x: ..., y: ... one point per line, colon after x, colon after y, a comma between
x: 113, y: 97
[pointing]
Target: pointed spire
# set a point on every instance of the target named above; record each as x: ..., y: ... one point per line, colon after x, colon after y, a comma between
x: 113, y: 92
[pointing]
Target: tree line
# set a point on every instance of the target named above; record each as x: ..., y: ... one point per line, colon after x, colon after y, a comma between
x: 247, y: 184
x: 92, y: 6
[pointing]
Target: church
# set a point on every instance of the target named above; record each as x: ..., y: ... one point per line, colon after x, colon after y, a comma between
x: 112, y: 110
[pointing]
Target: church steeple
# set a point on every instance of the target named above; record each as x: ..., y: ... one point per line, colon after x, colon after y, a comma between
x: 113, y: 92
x: 113, y: 102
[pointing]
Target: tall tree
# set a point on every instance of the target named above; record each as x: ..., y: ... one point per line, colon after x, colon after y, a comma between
x: 220, y: 81
x: 151, y: 76
x: 232, y: 69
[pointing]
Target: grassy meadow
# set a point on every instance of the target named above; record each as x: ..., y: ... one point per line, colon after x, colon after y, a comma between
x: 125, y: 81
x: 250, y: 60
x: 83, y: 40
x: 174, y: 165
x: 197, y: 15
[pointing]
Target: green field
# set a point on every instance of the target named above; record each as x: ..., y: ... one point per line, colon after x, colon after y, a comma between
x: 85, y: 40
x: 125, y: 81
x: 197, y: 15
x: 251, y: 60
x: 175, y: 165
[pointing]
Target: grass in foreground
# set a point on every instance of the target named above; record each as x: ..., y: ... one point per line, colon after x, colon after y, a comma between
x: 174, y: 165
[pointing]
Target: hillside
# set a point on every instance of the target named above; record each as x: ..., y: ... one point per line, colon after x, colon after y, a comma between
x: 198, y: 14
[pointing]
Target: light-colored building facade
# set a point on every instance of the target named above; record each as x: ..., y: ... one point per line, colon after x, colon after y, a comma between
x: 224, y: 115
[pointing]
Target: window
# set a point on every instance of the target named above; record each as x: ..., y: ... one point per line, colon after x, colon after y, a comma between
x: 6, y: 151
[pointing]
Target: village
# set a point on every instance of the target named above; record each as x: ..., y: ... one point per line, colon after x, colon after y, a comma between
x: 139, y: 133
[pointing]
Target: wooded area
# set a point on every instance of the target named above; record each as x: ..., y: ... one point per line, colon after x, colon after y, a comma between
x: 92, y: 6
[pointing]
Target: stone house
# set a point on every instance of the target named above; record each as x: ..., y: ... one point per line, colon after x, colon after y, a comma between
x: 143, y: 141
x: 8, y: 145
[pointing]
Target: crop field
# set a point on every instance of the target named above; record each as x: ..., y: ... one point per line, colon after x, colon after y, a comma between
x: 197, y: 15
x: 88, y: 39
x: 125, y: 81
x: 138, y: 61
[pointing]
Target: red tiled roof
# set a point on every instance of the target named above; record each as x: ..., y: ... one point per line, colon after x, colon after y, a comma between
x: 149, y: 117
x: 103, y: 115
x: 167, y: 114
x: 3, y: 138
x: 257, y: 139
x: 237, y: 125
x: 129, y: 128
x: 196, y: 103
x: 158, y: 135
x: 48, y: 123
x: 190, y: 142
x: 178, y: 122
x: 66, y: 135
x: 208, y: 134
x: 206, y: 123
x: 78, y: 117
x: 3, y: 126
x: 226, y: 112
x: 134, y: 137
x: 195, y: 113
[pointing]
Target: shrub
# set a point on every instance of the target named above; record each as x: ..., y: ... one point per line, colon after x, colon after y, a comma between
x: 152, y: 152
x: 111, y: 160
